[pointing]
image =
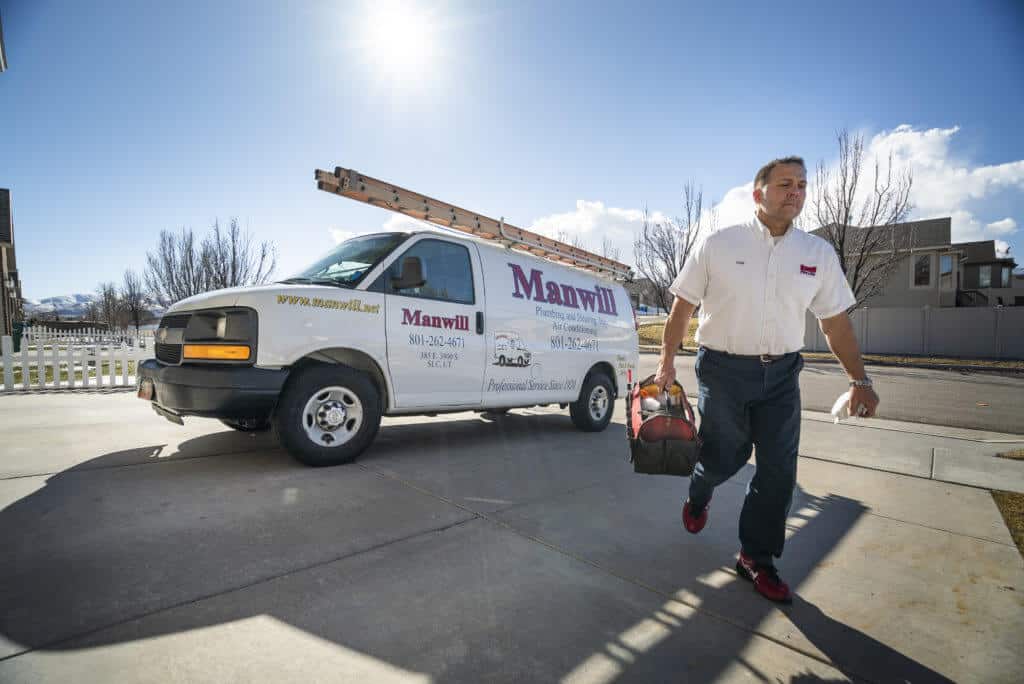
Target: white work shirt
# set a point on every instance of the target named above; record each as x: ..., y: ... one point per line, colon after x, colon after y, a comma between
x: 754, y: 291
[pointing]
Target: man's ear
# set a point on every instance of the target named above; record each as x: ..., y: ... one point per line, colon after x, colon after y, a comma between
x: 758, y: 195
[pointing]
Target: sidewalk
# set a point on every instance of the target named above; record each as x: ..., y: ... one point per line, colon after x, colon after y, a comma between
x: 954, y: 455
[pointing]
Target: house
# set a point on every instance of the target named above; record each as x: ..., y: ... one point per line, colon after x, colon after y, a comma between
x: 643, y: 295
x: 939, y: 273
x: 10, y: 283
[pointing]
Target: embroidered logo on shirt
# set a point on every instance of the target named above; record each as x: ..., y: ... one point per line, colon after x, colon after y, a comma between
x: 808, y: 270
x: 741, y: 263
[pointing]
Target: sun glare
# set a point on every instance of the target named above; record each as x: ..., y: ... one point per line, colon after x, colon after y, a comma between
x: 399, y: 40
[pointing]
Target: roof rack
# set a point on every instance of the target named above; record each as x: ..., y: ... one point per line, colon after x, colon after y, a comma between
x: 354, y: 185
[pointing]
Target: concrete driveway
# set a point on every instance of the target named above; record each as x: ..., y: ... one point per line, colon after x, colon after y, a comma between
x: 461, y: 549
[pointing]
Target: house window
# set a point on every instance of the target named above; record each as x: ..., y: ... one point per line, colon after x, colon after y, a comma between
x: 1006, y: 277
x: 922, y: 270
x: 985, y: 276
x: 946, y: 272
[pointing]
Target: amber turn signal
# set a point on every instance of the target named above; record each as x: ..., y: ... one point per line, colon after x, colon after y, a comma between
x: 218, y: 352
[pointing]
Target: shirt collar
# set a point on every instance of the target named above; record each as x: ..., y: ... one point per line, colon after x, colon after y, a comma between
x: 763, y: 231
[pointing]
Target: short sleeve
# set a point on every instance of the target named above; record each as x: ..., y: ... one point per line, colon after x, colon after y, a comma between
x: 834, y: 296
x: 692, y: 282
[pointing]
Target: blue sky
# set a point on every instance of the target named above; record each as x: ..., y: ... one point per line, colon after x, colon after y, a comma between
x: 119, y: 119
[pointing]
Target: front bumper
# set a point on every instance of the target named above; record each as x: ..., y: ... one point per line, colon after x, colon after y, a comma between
x: 233, y: 392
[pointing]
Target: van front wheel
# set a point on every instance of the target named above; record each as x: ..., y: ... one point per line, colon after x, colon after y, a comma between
x: 328, y: 415
x: 593, y: 410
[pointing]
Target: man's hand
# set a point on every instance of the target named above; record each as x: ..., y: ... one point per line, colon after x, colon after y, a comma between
x: 675, y: 329
x: 665, y: 375
x: 863, y: 402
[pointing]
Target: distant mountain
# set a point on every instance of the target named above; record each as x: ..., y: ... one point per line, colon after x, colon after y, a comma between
x: 74, y: 305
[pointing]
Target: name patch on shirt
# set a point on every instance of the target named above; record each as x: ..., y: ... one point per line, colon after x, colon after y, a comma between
x: 808, y: 270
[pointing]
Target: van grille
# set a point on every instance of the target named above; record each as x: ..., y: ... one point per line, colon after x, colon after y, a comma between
x: 171, y: 353
x: 175, y: 321
x: 168, y: 353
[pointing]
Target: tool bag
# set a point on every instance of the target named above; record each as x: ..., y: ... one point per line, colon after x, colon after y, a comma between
x: 662, y: 441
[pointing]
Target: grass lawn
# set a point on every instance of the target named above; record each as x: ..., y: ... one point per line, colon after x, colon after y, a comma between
x: 1011, y: 505
x: 650, y: 333
x: 33, y: 373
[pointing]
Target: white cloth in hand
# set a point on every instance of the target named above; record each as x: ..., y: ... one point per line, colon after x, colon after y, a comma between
x: 841, y: 409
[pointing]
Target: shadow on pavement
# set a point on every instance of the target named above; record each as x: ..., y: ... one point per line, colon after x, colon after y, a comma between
x: 227, y: 528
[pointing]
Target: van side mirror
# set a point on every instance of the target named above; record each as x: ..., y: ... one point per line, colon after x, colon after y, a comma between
x: 412, y: 275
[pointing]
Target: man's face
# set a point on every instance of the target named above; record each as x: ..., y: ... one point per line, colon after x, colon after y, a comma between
x: 782, y: 198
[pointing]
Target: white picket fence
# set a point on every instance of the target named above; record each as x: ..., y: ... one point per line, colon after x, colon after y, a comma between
x: 62, y: 359
x: 41, y: 334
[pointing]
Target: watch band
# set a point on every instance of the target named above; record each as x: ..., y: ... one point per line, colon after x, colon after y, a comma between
x: 866, y: 382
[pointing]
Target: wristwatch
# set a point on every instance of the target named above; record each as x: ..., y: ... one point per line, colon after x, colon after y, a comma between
x: 866, y: 382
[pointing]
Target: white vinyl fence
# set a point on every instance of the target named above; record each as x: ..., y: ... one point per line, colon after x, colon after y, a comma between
x: 65, y: 359
x: 962, y: 332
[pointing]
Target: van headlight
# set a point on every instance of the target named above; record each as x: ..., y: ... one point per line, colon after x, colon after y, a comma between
x: 221, y: 335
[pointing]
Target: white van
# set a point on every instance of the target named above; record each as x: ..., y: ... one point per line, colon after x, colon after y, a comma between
x: 393, y: 324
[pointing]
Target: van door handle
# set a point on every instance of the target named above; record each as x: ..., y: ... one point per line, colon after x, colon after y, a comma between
x: 479, y: 322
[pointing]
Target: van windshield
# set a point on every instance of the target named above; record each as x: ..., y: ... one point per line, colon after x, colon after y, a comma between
x: 347, y: 263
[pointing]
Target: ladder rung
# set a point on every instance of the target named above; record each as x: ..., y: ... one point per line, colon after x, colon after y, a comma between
x: 351, y: 184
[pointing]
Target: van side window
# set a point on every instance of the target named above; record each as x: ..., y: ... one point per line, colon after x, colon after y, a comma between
x: 447, y: 272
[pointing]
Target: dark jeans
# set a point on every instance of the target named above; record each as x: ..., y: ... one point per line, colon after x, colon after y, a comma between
x: 744, y: 403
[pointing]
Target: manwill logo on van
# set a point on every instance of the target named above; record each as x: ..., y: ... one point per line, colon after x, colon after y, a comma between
x: 550, y: 292
x: 427, y: 321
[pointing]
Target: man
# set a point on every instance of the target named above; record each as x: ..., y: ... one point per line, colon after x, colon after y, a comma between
x: 754, y: 283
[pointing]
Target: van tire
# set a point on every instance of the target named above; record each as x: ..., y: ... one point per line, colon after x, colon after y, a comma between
x: 248, y: 424
x: 327, y: 415
x: 501, y: 360
x: 593, y: 410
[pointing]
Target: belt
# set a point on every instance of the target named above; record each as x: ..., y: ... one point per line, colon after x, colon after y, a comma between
x: 763, y: 358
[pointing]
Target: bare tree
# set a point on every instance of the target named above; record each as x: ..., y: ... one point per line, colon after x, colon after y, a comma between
x: 108, y: 304
x: 231, y: 259
x: 859, y: 221
x: 176, y: 270
x: 92, y: 312
x: 181, y: 268
x: 608, y: 251
x: 133, y: 296
x: 662, y: 248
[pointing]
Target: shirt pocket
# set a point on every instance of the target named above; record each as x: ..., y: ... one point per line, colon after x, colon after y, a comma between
x: 803, y: 282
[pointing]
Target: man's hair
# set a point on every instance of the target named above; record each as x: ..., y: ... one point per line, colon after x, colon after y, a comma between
x: 761, y: 179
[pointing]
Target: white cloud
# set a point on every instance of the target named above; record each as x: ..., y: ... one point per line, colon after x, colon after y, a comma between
x: 396, y: 222
x: 340, y: 236
x: 943, y: 184
x: 593, y: 223
x: 1003, y: 227
x: 736, y: 206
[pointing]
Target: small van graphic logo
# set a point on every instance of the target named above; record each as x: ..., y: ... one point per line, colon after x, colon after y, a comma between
x: 510, y: 350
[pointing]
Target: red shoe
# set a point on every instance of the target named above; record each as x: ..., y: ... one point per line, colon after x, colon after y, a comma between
x: 765, y: 578
x: 695, y: 524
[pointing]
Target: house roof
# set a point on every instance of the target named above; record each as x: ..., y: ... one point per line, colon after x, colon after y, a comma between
x: 908, y: 235
x: 982, y: 252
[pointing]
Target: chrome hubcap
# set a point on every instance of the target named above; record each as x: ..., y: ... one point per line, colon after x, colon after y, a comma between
x: 332, y: 416
x: 598, y: 403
